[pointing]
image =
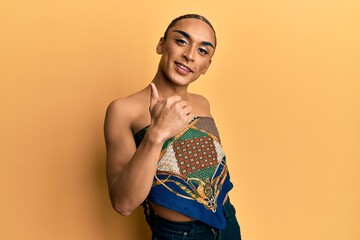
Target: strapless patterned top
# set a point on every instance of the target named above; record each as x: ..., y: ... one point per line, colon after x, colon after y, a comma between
x: 192, y: 177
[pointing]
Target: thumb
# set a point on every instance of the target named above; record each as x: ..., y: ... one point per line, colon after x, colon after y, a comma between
x: 154, y: 97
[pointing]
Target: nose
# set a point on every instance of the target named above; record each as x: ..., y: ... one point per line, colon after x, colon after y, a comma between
x: 189, y: 54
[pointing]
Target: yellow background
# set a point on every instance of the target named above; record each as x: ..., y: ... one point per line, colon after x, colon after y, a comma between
x: 284, y: 88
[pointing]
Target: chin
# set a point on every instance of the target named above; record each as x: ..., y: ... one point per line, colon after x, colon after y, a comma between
x: 182, y: 82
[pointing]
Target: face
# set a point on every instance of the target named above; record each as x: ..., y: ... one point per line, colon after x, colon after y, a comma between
x: 186, y: 51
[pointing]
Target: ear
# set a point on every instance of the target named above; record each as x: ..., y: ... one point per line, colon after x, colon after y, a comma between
x: 205, y: 70
x: 160, y: 46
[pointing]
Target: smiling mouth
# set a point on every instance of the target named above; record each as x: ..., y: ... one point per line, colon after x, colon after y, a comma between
x: 186, y: 68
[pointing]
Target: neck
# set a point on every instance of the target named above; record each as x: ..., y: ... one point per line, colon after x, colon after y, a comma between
x: 167, y: 89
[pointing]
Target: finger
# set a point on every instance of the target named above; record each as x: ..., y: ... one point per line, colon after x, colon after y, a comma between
x: 187, y: 109
x: 190, y: 117
x: 173, y: 100
x: 181, y: 103
x: 154, y: 97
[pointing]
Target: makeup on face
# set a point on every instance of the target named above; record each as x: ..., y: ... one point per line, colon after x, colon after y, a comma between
x: 187, y: 36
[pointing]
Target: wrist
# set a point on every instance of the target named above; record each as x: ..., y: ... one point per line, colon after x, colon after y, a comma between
x: 155, y: 136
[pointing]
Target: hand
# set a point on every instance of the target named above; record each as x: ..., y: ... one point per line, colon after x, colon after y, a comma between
x: 168, y: 116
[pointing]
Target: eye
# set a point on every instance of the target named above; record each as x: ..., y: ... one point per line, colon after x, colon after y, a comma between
x: 181, y: 41
x: 203, y: 51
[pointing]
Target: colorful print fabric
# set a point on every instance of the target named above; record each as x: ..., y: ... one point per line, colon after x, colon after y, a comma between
x: 192, y: 176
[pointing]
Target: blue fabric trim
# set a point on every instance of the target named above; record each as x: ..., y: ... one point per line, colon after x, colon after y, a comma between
x: 163, y: 197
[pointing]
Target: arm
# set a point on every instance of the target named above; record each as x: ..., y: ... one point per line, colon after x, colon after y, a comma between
x: 130, y: 171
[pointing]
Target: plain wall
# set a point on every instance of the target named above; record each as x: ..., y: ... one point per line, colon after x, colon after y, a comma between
x: 284, y: 87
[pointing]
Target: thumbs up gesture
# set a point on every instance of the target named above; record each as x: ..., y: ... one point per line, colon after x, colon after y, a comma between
x: 168, y: 116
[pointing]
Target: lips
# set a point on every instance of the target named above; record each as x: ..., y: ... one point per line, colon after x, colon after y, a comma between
x: 183, y: 68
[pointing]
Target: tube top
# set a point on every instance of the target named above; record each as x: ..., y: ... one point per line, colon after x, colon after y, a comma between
x: 192, y: 177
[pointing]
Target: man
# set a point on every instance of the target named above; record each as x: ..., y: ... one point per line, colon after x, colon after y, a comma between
x: 163, y: 148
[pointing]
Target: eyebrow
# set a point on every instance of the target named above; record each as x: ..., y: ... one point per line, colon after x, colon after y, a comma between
x: 186, y: 35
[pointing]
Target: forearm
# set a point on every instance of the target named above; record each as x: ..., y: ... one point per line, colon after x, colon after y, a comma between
x: 132, y: 185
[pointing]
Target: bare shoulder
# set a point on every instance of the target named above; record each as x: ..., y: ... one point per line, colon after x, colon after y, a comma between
x: 124, y: 112
x: 122, y: 108
x: 200, y: 104
x: 200, y: 98
x: 119, y: 106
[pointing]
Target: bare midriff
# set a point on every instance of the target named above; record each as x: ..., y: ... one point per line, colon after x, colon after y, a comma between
x: 172, y: 215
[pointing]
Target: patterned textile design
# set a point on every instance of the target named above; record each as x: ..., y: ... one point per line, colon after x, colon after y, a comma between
x: 192, y: 165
